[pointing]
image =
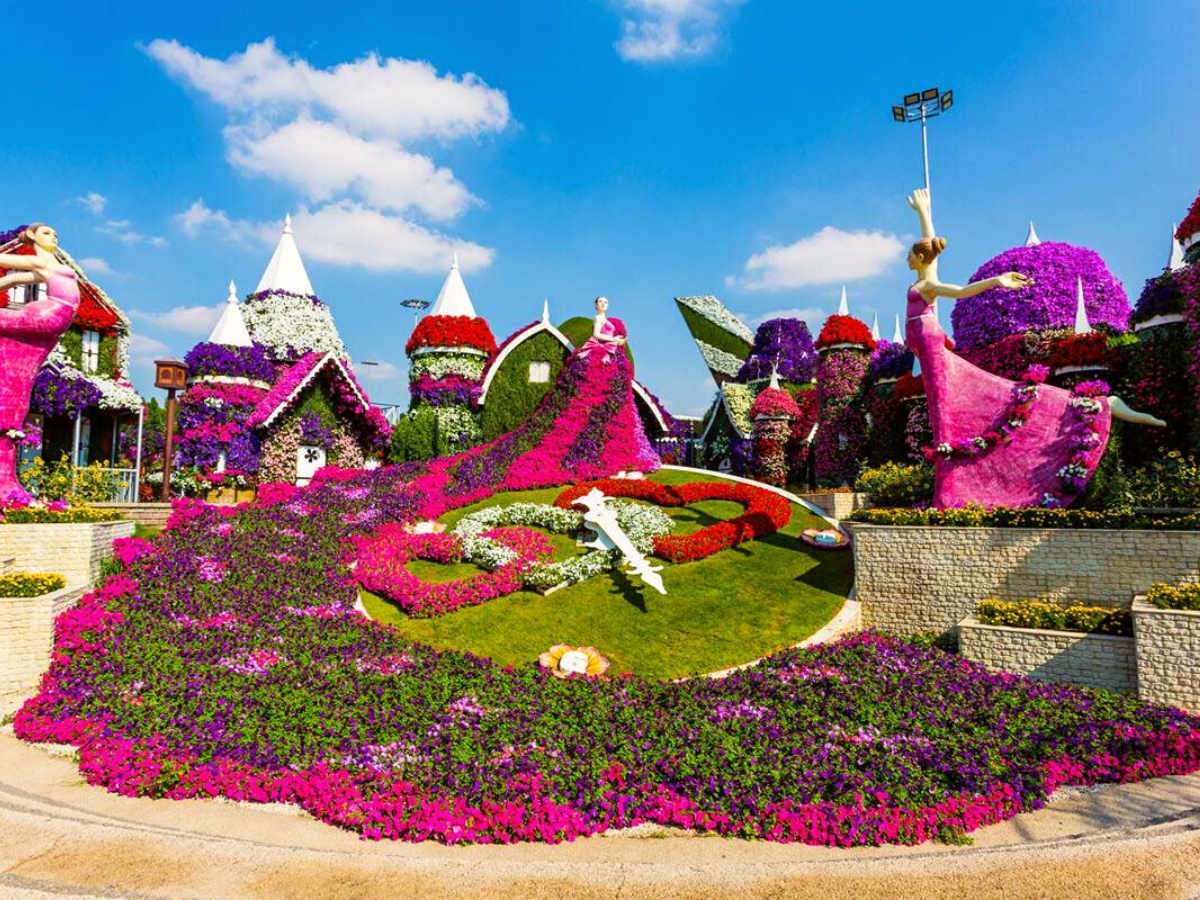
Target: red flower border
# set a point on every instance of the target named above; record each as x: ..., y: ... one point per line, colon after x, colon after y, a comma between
x: 452, y: 331
x: 845, y: 330
x: 766, y: 512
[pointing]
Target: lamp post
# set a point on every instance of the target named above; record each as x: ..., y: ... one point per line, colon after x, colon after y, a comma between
x: 416, y: 305
x: 921, y: 107
x: 169, y: 375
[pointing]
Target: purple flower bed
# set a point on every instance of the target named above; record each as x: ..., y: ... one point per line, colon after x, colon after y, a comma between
x: 1048, y: 303
x: 56, y: 394
x: 450, y: 390
x: 231, y: 362
x: 782, y: 343
x: 229, y: 661
x: 891, y: 360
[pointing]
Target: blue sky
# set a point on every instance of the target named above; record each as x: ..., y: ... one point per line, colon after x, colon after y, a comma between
x: 641, y: 149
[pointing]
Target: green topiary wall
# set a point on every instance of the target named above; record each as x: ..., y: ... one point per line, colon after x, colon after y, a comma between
x: 713, y: 335
x: 511, y: 399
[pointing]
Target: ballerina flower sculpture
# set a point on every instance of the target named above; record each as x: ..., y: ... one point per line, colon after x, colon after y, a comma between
x: 610, y: 536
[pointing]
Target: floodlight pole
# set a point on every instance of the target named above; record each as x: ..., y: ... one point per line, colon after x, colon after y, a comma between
x: 925, y: 146
x: 923, y: 106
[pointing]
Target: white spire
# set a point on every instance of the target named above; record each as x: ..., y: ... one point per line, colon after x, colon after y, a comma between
x: 1082, y: 325
x: 285, y: 271
x: 453, y: 299
x: 875, y: 326
x: 1176, y: 259
x: 230, y: 329
x: 546, y: 310
x: 898, y: 335
x: 1032, y: 240
x: 774, y: 377
x: 844, y: 307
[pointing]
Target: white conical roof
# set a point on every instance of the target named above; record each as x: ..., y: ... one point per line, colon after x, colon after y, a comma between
x: 546, y: 310
x: 230, y: 329
x: 897, y: 334
x: 1032, y: 240
x: 1176, y: 259
x: 453, y: 299
x: 875, y: 325
x: 1082, y: 325
x: 844, y: 306
x: 285, y: 271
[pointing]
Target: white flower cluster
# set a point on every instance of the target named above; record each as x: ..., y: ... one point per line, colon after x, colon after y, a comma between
x: 491, y: 554
x: 282, y: 321
x: 439, y: 365
x: 719, y: 360
x: 714, y: 310
x: 115, y: 395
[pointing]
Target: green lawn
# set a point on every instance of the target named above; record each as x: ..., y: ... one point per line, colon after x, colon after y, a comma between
x: 731, y: 608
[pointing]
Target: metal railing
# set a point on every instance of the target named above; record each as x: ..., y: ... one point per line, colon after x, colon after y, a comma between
x: 127, y: 490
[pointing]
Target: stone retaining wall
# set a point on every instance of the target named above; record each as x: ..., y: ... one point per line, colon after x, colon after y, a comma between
x: 1168, y: 655
x: 72, y: 551
x: 1095, y: 660
x: 27, y: 635
x: 151, y: 514
x: 837, y: 505
x: 919, y: 578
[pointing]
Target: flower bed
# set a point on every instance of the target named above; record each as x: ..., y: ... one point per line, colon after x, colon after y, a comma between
x: 1027, y: 517
x: 30, y: 585
x: 1069, y: 616
x: 1165, y: 596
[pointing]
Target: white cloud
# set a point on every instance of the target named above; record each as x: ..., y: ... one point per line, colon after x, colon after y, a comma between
x: 323, y: 159
x: 200, y: 219
x: 662, y: 30
x: 192, y: 320
x: 811, y: 315
x: 396, y: 98
x: 93, y: 202
x: 94, y: 265
x: 828, y: 257
x: 143, y: 348
x: 123, y: 231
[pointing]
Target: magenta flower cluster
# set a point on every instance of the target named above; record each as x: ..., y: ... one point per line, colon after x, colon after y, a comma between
x: 1049, y: 302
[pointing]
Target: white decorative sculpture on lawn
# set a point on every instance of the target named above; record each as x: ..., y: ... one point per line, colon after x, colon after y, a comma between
x: 609, y: 536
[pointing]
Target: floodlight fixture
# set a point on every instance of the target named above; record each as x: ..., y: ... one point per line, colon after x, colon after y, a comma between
x: 416, y: 304
x: 921, y: 107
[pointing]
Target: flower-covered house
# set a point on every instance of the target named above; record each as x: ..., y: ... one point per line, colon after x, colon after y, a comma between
x: 82, y: 397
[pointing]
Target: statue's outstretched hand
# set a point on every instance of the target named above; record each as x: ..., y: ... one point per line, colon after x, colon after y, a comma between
x: 919, y: 200
x: 1014, y: 280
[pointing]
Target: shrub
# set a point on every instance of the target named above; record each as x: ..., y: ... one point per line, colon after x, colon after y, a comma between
x: 1164, y: 596
x: 897, y: 484
x: 82, y: 516
x: 1172, y: 481
x: 29, y: 585
x: 96, y: 483
x: 1026, y: 517
x: 1069, y: 616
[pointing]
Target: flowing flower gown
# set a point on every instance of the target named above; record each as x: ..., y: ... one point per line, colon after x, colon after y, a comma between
x: 27, y: 336
x: 965, y: 402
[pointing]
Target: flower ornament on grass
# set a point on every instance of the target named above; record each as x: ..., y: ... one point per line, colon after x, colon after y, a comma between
x: 565, y: 661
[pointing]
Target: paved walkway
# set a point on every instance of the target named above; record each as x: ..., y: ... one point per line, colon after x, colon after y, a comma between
x: 61, y: 838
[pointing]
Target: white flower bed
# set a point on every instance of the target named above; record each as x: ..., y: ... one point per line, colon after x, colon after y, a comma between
x: 439, y: 365
x: 714, y: 310
x: 284, y: 321
x: 719, y: 360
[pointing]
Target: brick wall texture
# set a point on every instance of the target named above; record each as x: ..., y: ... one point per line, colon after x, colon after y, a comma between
x: 838, y: 505
x: 912, y: 578
x: 1095, y: 660
x: 27, y: 634
x: 1168, y: 655
x: 152, y: 514
x: 73, y: 551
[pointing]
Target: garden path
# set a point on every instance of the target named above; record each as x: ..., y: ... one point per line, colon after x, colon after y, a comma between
x: 62, y: 838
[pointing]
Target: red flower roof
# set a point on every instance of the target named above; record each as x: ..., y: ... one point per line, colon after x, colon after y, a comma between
x: 845, y: 330
x: 774, y: 402
x: 452, y: 331
x: 1191, y: 224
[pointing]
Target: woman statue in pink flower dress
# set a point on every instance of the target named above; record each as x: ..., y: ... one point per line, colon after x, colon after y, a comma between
x: 998, y: 442
x: 608, y: 335
x: 27, y: 336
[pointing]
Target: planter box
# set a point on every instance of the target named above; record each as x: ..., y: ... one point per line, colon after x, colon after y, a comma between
x: 27, y: 635
x: 1168, y: 655
x: 837, y: 505
x: 922, y: 578
x: 1093, y: 660
x: 72, y: 551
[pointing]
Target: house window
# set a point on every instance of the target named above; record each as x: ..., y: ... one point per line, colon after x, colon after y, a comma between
x: 91, y: 351
x: 539, y: 372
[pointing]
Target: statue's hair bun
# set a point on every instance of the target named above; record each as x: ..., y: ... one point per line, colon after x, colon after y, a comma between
x: 939, y: 244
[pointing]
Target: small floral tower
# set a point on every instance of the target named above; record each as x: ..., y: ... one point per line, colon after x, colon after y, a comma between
x: 448, y: 352
x: 773, y: 412
x: 845, y: 346
x: 1188, y: 234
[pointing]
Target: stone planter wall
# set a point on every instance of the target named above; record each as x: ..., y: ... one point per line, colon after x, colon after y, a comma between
x: 151, y: 514
x: 917, y: 578
x: 72, y: 551
x: 837, y: 505
x: 1095, y: 660
x: 27, y: 635
x: 1168, y: 655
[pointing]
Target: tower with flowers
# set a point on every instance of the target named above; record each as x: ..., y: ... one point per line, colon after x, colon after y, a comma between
x: 448, y: 352
x: 845, y: 345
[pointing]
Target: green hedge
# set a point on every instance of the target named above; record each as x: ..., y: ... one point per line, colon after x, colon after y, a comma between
x: 30, y: 585
x: 511, y: 398
x: 1026, y: 517
x: 1164, y: 596
x: 1069, y: 616
x: 713, y: 335
x: 454, y: 428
